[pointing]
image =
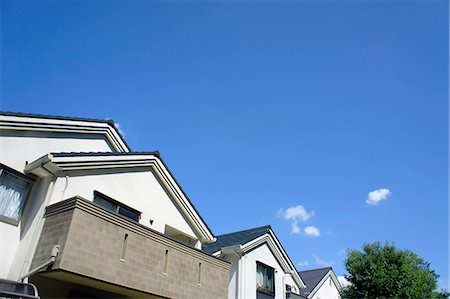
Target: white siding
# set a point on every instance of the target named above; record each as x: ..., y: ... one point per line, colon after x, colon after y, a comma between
x: 328, y: 290
x: 15, y: 150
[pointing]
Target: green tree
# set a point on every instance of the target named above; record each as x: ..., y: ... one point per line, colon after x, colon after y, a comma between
x: 387, y: 272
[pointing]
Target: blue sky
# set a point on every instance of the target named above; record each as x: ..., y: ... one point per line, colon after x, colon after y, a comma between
x: 260, y: 107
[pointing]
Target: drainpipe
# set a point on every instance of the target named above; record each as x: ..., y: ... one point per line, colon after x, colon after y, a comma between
x: 55, y: 251
x: 39, y: 223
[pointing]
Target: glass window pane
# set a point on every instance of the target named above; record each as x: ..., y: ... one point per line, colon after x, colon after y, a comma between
x: 129, y: 214
x: 105, y: 204
x: 12, y: 194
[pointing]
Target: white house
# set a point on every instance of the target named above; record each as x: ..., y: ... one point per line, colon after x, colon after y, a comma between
x: 81, y: 215
x: 320, y: 283
x: 260, y: 267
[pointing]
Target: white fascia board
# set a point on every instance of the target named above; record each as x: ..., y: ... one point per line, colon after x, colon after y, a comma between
x: 30, y: 124
x: 106, y: 161
x: 278, y: 253
x: 322, y: 281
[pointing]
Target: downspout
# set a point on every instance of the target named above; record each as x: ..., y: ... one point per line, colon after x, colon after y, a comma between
x: 55, y: 251
x: 39, y: 225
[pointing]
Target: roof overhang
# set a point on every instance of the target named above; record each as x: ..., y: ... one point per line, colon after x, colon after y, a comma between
x: 59, y: 164
x: 50, y: 124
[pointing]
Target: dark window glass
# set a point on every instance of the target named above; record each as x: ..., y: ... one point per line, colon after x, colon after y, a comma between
x: 129, y: 214
x: 265, y: 279
x: 116, y: 207
x: 107, y: 205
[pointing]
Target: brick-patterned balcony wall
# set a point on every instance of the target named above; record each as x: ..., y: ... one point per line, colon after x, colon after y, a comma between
x: 92, y: 241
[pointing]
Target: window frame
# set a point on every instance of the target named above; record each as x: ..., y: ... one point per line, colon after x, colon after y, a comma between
x: 29, y: 180
x: 118, y: 206
x: 263, y: 289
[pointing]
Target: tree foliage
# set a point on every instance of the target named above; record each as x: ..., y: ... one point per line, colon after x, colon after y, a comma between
x: 387, y: 272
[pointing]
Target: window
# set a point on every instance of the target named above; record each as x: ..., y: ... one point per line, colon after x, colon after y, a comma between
x: 14, y: 188
x: 265, y: 279
x: 116, y: 207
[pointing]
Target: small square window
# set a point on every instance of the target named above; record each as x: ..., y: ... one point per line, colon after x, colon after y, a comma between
x: 14, y: 187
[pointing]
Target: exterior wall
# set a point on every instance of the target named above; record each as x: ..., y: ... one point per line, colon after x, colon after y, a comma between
x: 247, y: 271
x: 24, y: 233
x: 137, y: 189
x: 17, y: 147
x: 9, y: 242
x: 92, y: 241
x: 233, y: 281
x: 328, y: 290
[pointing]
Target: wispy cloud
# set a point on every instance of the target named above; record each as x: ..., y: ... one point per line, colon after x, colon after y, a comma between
x: 303, y: 264
x: 322, y: 262
x: 374, y: 197
x: 312, y: 231
x: 119, y: 128
x: 341, y: 252
x: 343, y: 281
x: 295, y: 215
x: 295, y: 229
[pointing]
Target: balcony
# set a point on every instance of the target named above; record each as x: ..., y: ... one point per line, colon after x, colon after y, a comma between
x: 106, y: 252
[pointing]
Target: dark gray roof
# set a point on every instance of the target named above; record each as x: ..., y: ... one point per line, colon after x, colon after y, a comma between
x: 312, y: 278
x: 236, y: 238
x: 78, y: 154
x: 35, y: 115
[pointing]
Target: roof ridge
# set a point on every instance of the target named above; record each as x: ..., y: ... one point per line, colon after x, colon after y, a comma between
x: 316, y: 269
x: 246, y: 230
x: 61, y: 154
x: 61, y: 117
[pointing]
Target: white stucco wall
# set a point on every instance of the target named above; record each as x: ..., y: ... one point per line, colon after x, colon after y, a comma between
x: 247, y: 274
x: 16, y: 149
x: 9, y: 242
x: 137, y: 189
x: 328, y: 290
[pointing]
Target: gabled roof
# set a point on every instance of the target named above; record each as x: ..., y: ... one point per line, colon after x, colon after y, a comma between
x: 313, y: 278
x: 60, y: 163
x: 236, y: 238
x: 245, y: 241
x: 54, y: 123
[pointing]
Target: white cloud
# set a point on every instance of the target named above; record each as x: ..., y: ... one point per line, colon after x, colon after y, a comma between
x: 295, y: 229
x: 342, y: 252
x: 297, y: 212
x: 303, y: 264
x: 322, y: 262
x: 295, y: 215
x: 343, y: 281
x: 312, y: 231
x: 374, y: 197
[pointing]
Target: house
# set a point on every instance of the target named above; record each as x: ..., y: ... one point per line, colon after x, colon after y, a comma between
x: 83, y: 216
x: 260, y: 267
x: 320, y: 284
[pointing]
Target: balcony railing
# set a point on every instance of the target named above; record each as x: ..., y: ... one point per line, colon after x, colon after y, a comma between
x: 103, y: 246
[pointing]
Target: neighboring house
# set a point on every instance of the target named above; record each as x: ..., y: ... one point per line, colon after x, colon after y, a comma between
x: 320, y: 284
x: 82, y: 216
x: 260, y: 266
